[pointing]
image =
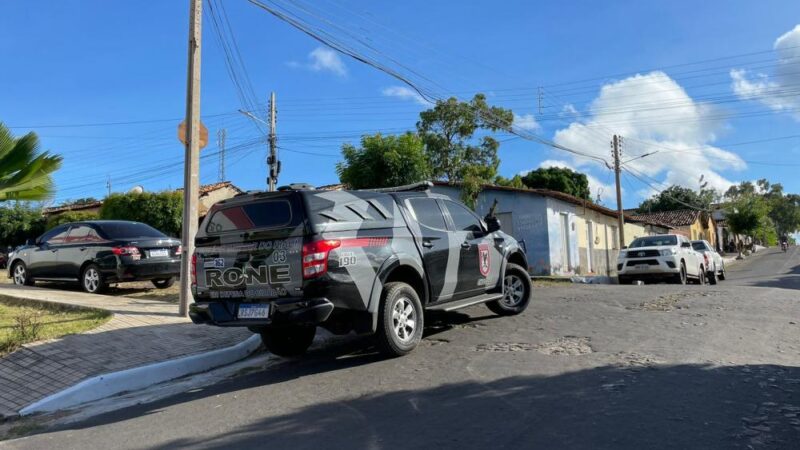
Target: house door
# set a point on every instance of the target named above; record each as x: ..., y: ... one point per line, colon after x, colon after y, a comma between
x: 565, y: 253
x: 589, y: 246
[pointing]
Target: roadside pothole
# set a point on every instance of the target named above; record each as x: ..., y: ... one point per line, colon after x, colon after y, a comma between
x: 564, y: 346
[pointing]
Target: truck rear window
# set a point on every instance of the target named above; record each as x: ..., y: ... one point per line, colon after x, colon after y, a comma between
x: 266, y: 214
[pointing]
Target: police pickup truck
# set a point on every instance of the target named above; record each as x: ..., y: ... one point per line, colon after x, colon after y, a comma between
x: 370, y: 261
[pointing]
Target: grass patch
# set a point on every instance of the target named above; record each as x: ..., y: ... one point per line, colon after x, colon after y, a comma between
x: 24, y: 321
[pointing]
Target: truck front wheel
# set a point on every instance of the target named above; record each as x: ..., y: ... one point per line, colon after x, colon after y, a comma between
x: 400, y: 319
x: 517, y: 290
x: 288, y: 341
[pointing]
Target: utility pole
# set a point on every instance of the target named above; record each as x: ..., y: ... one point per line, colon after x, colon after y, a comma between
x: 191, y: 164
x: 221, y: 144
x: 616, y: 144
x: 273, y: 165
x: 108, y: 184
x: 540, y: 96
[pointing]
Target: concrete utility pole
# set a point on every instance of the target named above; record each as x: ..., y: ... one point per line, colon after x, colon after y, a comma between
x: 616, y: 143
x: 191, y: 165
x: 273, y: 165
x: 221, y: 144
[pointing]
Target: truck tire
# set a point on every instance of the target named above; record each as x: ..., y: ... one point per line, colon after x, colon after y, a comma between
x: 288, y: 341
x: 711, y: 276
x: 517, y: 290
x: 681, y: 278
x: 400, y: 319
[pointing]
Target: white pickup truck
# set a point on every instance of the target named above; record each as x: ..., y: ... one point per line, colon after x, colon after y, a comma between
x: 666, y: 257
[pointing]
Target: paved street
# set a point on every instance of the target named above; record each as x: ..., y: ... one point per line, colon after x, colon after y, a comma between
x: 586, y: 366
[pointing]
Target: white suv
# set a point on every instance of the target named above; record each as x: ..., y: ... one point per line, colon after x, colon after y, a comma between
x: 666, y: 257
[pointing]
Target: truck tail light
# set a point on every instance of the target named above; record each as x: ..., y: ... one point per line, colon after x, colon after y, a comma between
x: 315, y: 257
x: 193, y: 269
x: 705, y: 258
x: 127, y: 250
x: 178, y: 250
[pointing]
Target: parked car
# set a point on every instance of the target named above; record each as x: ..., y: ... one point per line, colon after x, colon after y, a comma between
x: 282, y: 263
x: 715, y: 266
x: 666, y: 257
x: 98, y: 252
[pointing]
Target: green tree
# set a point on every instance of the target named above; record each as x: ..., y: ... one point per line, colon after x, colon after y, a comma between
x: 18, y: 222
x: 559, y: 179
x: 455, y: 153
x: 161, y: 210
x: 678, y: 197
x: 70, y: 216
x: 24, y: 171
x: 384, y: 161
x: 746, y: 214
x: 514, y: 182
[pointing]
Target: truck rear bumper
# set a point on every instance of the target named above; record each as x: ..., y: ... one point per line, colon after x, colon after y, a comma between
x: 282, y: 312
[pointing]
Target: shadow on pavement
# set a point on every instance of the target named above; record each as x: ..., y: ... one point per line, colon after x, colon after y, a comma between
x: 680, y: 406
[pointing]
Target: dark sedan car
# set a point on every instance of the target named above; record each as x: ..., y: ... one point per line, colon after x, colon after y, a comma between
x: 99, y: 252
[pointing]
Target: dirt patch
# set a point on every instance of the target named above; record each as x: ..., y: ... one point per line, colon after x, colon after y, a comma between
x: 664, y: 303
x: 567, y: 346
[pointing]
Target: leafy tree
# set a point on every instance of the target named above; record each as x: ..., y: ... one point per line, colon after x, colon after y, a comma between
x: 161, y: 210
x: 24, y: 172
x: 70, y: 216
x: 559, y: 179
x: 678, y: 197
x: 746, y: 215
x: 18, y: 222
x: 455, y: 153
x: 384, y: 161
x: 515, y: 182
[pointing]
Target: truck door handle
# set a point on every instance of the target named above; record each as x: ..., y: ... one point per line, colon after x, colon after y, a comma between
x: 465, y: 245
x: 427, y: 244
x: 83, y: 248
x: 54, y: 250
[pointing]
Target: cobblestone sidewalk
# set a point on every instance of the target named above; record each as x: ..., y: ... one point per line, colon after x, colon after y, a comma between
x: 140, y: 332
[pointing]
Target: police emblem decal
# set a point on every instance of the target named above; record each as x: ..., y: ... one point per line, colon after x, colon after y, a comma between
x: 484, y: 261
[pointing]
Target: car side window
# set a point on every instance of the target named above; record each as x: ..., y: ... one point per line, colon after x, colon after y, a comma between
x: 428, y: 213
x: 82, y: 234
x: 463, y: 218
x: 59, y: 236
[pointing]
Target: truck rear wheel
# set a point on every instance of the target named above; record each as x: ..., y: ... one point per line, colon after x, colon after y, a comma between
x: 400, y: 319
x: 517, y: 291
x: 288, y: 341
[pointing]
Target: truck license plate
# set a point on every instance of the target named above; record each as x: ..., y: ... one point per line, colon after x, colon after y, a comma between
x: 253, y: 311
x: 642, y: 266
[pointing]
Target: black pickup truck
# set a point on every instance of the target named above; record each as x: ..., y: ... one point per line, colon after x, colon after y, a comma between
x: 371, y: 261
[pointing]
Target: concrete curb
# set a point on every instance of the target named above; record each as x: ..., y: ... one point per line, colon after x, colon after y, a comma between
x: 107, y: 385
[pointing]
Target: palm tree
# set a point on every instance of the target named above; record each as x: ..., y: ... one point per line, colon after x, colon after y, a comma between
x: 24, y: 172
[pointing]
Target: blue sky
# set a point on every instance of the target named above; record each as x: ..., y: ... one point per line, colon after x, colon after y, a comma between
x: 603, y: 68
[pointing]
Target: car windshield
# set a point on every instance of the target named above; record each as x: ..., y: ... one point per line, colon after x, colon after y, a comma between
x: 654, y: 241
x: 127, y: 230
x: 699, y: 246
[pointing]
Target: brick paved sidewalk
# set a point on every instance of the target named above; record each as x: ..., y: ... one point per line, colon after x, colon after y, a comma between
x: 140, y: 332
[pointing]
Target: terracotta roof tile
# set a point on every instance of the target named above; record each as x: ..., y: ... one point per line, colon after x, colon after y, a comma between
x: 679, y: 218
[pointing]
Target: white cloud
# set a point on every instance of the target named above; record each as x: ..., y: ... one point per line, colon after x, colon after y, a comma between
x: 606, y: 192
x: 526, y: 122
x: 779, y: 91
x: 569, y: 111
x: 322, y: 59
x: 405, y: 93
x: 655, y: 115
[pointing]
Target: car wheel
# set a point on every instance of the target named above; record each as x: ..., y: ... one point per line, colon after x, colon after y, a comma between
x: 92, y: 281
x: 711, y: 276
x: 163, y: 283
x: 722, y: 273
x: 516, y: 292
x: 681, y: 277
x: 701, y: 276
x: 288, y: 341
x: 20, y: 274
x: 400, y: 319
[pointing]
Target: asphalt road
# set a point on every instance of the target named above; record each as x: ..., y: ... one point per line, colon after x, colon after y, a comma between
x: 585, y: 366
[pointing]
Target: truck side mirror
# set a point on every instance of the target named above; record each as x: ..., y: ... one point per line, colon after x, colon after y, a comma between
x: 492, y: 224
